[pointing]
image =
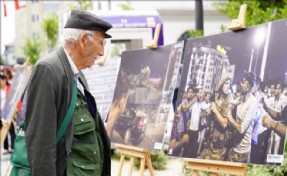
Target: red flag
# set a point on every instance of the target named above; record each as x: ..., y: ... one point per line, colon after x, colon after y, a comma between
x: 17, y: 5
x: 5, y: 8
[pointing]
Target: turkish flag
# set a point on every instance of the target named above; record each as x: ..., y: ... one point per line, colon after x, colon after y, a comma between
x: 17, y: 5
x: 5, y: 8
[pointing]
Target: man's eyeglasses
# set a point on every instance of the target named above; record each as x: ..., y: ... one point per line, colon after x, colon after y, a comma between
x: 103, y: 41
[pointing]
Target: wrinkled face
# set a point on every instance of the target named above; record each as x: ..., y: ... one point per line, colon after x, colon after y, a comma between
x: 226, y: 87
x: 92, y: 48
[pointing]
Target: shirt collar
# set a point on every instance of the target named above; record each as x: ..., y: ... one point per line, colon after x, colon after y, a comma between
x: 73, y: 66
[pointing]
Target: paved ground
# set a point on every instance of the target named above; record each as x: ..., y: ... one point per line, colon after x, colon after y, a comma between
x: 174, y: 167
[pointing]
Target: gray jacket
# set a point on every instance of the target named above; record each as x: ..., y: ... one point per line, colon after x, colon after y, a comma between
x: 48, y: 97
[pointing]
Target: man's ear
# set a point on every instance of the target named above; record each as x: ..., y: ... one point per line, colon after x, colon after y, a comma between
x: 82, y: 40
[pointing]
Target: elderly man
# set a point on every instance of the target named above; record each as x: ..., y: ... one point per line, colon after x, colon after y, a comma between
x: 85, y: 147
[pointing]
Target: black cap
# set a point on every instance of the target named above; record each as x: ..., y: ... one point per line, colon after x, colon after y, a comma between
x: 85, y: 20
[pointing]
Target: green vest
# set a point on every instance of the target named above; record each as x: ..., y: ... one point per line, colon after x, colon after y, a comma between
x: 86, y: 156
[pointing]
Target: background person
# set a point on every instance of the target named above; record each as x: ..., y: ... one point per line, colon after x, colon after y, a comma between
x: 218, y: 136
x: 5, y: 87
x: 243, y: 123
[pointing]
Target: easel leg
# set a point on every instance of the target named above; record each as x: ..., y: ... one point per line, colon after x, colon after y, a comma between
x: 121, y: 165
x: 4, y: 131
x: 8, y: 170
x: 149, y: 164
x: 142, y: 166
x: 131, y: 166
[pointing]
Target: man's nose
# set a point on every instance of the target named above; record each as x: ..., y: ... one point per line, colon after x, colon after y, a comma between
x: 102, y: 51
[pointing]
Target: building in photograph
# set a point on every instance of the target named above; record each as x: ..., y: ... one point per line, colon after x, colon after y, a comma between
x: 206, y: 67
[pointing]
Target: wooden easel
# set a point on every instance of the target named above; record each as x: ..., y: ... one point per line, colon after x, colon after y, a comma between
x: 134, y: 152
x: 239, y: 23
x: 216, y: 167
x: 154, y: 42
x: 5, y: 129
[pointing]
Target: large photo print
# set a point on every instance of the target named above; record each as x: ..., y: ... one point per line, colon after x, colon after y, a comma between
x: 143, y: 95
x: 232, y: 100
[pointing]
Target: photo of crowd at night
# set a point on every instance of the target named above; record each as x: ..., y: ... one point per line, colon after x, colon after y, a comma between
x: 231, y: 104
x: 144, y: 88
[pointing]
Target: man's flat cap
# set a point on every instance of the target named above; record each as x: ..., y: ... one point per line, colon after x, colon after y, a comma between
x: 85, y: 20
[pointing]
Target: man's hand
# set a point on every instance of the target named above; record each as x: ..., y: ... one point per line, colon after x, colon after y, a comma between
x: 228, y: 114
x: 267, y: 121
x: 213, y: 107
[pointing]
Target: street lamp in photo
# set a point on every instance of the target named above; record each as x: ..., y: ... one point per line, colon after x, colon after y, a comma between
x: 258, y: 40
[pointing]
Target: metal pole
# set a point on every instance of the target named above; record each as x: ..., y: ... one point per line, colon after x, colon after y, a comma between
x: 99, y: 5
x: 198, y: 15
x: 110, y: 5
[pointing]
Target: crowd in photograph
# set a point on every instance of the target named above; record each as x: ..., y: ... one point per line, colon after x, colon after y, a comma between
x: 240, y: 126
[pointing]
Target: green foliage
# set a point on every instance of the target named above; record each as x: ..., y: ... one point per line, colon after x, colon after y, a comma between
x: 255, y: 170
x: 51, y: 28
x: 117, y: 156
x: 1, y: 60
x: 83, y: 5
x: 32, y: 50
x: 126, y: 6
x: 258, y: 11
x: 158, y: 159
x: 190, y: 34
x: 223, y: 28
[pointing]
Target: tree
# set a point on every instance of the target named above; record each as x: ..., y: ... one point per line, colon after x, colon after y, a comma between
x: 126, y: 6
x: 1, y: 60
x: 258, y: 11
x: 83, y: 5
x: 51, y: 28
x: 32, y: 50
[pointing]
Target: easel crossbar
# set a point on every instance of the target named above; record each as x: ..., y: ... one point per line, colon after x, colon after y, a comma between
x: 217, y: 166
x: 131, y: 153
